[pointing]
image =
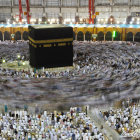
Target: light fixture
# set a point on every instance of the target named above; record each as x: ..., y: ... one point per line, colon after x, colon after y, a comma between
x: 73, y: 20
x: 16, y: 19
x: 40, y: 19
x: 18, y: 56
x: 118, y: 22
x: 52, y: 20
x: 133, y: 19
x: 33, y: 19
x: 3, y: 61
x: 114, y: 34
x: 23, y: 63
x: 81, y: 19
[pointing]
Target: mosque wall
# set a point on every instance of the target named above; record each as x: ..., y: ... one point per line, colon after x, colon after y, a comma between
x: 122, y: 31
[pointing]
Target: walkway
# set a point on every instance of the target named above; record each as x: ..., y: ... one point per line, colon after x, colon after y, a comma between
x: 109, y: 133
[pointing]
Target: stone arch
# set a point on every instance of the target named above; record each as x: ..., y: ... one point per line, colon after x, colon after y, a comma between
x: 7, y: 35
x: 80, y: 36
x: 25, y: 35
x: 73, y: 35
x: 18, y: 35
x: 129, y: 19
x: 111, y: 20
x: 1, y: 36
x: 88, y: 36
x: 118, y: 36
x: 137, y: 37
x: 129, y: 36
x: 100, y: 36
x: 108, y: 36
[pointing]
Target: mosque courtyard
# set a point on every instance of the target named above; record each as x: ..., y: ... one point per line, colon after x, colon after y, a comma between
x: 103, y: 72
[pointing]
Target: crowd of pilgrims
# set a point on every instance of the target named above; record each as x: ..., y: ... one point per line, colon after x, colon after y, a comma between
x: 125, y: 120
x: 72, y: 125
x: 108, y: 60
x: 89, y: 57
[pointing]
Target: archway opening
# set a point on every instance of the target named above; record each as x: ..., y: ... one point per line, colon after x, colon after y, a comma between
x: 88, y: 36
x: 73, y: 35
x: 128, y: 19
x: 7, y: 35
x: 111, y: 20
x: 100, y: 36
x: 80, y: 36
x: 108, y: 36
x: 129, y: 36
x: 25, y: 35
x: 17, y: 35
x: 137, y: 37
x: 1, y: 37
x: 117, y: 36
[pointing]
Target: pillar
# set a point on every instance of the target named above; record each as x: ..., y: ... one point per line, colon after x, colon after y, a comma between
x: 75, y: 36
x: 111, y: 7
x: 84, y: 36
x: 21, y: 30
x: 94, y: 30
x: 60, y: 19
x: 93, y: 10
x: 44, y: 5
x: 3, y: 36
x: 129, y: 2
x: 133, y: 37
x: 78, y: 3
x: 21, y: 35
x: 90, y: 12
x: 129, y: 5
x: 123, y: 34
x: 12, y: 4
x: 104, y: 33
x: 12, y: 36
x: 112, y: 35
x: 61, y: 3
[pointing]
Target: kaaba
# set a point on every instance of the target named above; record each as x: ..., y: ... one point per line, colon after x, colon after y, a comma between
x: 50, y: 46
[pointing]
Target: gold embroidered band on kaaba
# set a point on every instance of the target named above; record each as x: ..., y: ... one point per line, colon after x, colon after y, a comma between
x: 50, y: 41
x: 49, y: 45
